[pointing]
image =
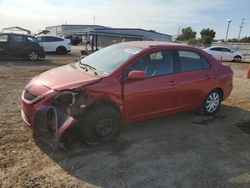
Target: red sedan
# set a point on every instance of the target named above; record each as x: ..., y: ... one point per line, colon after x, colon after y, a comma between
x: 121, y: 84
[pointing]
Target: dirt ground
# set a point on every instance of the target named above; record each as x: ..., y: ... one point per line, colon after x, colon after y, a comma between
x: 184, y: 150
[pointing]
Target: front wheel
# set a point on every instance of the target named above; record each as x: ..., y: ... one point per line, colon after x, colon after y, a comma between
x: 32, y: 55
x: 212, y: 103
x: 101, y: 124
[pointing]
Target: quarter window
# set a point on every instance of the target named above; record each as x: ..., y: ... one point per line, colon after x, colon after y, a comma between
x: 154, y: 64
x: 190, y: 61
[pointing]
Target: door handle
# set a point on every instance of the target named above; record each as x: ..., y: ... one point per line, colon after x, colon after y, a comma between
x: 207, y: 77
x: 172, y: 83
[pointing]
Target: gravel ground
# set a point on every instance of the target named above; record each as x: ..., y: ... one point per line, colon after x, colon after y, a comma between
x: 184, y: 150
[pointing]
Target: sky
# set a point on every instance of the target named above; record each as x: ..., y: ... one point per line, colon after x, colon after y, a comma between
x: 165, y: 16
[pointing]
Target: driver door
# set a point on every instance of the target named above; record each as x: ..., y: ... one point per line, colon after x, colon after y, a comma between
x: 157, y: 93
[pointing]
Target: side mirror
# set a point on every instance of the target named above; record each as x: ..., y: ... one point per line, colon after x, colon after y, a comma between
x: 136, y: 75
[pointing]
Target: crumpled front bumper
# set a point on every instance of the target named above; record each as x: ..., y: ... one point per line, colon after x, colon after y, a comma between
x: 48, y: 123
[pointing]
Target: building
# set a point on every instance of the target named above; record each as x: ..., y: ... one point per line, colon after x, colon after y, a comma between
x: 16, y: 29
x: 61, y: 30
x: 102, y: 36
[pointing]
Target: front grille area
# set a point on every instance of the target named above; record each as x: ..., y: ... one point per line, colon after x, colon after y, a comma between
x: 29, y: 96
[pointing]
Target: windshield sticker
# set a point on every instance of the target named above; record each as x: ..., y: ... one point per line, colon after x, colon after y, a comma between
x: 131, y: 51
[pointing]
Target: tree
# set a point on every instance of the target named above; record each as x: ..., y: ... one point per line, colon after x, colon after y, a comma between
x: 207, y: 36
x: 245, y: 39
x: 187, y: 34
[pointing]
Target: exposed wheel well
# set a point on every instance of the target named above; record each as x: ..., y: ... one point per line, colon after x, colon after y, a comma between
x: 106, y: 102
x: 221, y: 92
x: 237, y: 56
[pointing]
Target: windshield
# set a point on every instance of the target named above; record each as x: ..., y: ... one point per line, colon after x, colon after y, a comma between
x: 110, y: 58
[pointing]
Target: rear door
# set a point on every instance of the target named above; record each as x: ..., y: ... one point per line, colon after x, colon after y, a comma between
x: 195, y: 79
x: 17, y: 45
x: 4, y: 46
x: 217, y: 53
x: 157, y: 93
x: 227, y: 54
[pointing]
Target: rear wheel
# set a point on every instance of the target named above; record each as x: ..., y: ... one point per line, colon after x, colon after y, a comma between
x: 211, y: 103
x: 101, y: 124
x: 61, y: 50
x: 237, y: 59
x: 32, y: 55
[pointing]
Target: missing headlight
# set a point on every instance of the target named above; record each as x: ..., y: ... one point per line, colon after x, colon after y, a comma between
x: 66, y: 98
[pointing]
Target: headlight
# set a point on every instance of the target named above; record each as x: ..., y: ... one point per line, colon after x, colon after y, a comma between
x: 66, y: 98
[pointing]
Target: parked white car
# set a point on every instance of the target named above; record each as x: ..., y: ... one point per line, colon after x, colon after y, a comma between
x: 225, y: 54
x: 54, y: 44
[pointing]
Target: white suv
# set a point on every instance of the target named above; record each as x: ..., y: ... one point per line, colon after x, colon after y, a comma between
x: 225, y: 54
x: 54, y: 44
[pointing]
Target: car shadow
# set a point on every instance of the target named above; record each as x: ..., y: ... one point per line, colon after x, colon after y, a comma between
x: 160, y: 152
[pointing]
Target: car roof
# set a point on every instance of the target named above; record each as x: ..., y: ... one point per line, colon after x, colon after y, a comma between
x: 218, y: 47
x: 147, y: 44
x: 48, y: 36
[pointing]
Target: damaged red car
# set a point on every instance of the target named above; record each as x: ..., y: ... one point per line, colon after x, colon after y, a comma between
x: 121, y: 84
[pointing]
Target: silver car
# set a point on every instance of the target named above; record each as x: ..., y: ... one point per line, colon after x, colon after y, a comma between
x: 225, y: 54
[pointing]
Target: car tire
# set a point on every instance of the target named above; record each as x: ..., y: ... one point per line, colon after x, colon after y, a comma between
x: 32, y: 55
x: 237, y: 59
x: 61, y: 50
x: 102, y: 123
x: 211, y: 103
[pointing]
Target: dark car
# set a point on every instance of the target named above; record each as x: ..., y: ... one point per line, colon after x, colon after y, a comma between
x: 20, y: 46
x: 121, y: 84
x: 74, y: 39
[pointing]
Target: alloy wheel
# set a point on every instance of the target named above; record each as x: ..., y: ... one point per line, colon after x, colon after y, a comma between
x: 212, y: 102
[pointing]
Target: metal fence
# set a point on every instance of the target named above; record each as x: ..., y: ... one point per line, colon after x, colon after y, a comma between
x: 242, y: 47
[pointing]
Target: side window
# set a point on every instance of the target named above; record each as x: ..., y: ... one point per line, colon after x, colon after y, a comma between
x: 17, y: 38
x: 225, y: 50
x: 190, y: 61
x: 154, y: 64
x: 53, y: 39
x: 216, y: 49
x: 56, y: 39
x: 3, y: 38
x: 45, y: 39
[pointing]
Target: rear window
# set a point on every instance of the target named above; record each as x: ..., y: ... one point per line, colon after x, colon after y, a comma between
x: 3, y: 38
x: 190, y: 61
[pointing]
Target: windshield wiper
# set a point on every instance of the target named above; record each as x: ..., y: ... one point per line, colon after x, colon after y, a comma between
x: 87, y: 67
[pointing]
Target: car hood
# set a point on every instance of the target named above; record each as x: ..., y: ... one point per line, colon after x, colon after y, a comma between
x: 66, y: 77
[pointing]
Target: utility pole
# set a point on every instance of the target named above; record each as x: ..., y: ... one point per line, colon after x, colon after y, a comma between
x: 228, y: 25
x: 241, y: 26
x: 94, y: 20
